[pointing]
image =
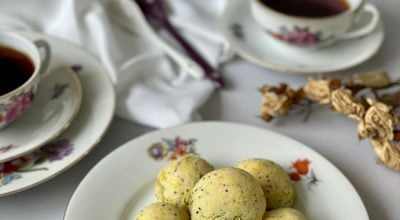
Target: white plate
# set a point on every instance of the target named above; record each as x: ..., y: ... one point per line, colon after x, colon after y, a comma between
x: 122, y: 183
x: 56, y: 104
x: 254, y: 45
x: 84, y: 133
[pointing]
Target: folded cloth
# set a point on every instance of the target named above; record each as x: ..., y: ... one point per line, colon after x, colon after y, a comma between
x: 151, y: 89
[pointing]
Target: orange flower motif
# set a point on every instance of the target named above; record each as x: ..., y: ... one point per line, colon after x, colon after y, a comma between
x: 300, y: 170
x: 178, y: 152
x: 302, y: 166
x: 1, y: 118
x: 294, y: 176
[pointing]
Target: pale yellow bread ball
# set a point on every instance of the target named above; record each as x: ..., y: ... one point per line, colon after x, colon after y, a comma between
x: 274, y: 180
x: 176, y: 180
x: 284, y: 214
x: 163, y: 211
x: 227, y: 194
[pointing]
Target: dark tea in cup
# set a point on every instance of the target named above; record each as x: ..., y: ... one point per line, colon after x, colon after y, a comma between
x: 308, y: 8
x: 22, y: 62
x: 16, y: 68
x: 313, y: 24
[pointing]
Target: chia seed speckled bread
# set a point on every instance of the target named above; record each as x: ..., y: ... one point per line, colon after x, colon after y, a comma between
x: 227, y: 194
x: 284, y: 214
x: 176, y: 180
x: 163, y: 211
x: 274, y: 180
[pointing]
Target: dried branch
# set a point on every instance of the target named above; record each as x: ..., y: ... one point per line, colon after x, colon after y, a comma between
x: 377, y: 117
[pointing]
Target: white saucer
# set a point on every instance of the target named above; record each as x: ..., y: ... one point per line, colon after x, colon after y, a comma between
x: 84, y: 133
x: 56, y: 104
x: 122, y: 183
x: 254, y: 45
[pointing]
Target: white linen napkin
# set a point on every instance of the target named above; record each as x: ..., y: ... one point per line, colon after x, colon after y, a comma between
x: 151, y: 90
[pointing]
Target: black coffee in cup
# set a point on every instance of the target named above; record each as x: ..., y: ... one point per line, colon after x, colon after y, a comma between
x: 15, y: 69
x: 308, y: 8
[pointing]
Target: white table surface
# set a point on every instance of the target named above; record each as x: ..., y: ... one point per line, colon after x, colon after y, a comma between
x: 332, y: 135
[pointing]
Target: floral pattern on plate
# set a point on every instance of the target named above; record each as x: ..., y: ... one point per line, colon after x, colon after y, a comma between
x: 90, y: 124
x: 13, y: 170
x: 58, y: 90
x: 55, y: 105
x: 171, y: 149
x: 297, y: 36
x: 222, y: 144
x: 7, y: 148
x: 300, y: 170
x: 17, y: 106
x: 24, y: 100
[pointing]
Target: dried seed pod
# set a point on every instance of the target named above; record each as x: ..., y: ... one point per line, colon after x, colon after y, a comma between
x: 266, y: 117
x: 391, y: 99
x: 343, y: 101
x: 276, y: 101
x: 275, y: 105
x: 379, y: 122
x: 374, y: 80
x: 396, y: 135
x: 319, y: 90
x: 388, y: 153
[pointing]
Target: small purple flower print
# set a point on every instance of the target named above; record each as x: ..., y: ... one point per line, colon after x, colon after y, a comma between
x: 7, y: 148
x: 58, y: 90
x: 77, y: 67
x: 14, y: 169
x: 20, y: 104
x: 157, y: 151
x: 301, y: 36
x: 298, y: 36
x: 57, y: 150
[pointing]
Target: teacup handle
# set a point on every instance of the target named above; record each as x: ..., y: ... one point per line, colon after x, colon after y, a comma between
x: 368, y: 28
x: 45, y: 57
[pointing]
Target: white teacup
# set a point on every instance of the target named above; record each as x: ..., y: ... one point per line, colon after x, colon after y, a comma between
x: 311, y: 32
x: 16, y: 101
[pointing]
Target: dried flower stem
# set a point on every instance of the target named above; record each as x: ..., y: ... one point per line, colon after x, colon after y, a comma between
x: 377, y: 117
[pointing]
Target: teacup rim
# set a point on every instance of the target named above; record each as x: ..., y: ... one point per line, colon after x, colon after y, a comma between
x: 37, y: 66
x: 330, y: 17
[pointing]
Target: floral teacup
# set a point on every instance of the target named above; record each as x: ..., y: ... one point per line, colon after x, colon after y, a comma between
x: 311, y: 32
x: 16, y: 101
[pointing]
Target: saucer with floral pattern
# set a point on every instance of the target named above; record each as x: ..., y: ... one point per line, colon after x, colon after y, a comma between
x: 54, y: 107
x: 85, y: 131
x: 253, y: 44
